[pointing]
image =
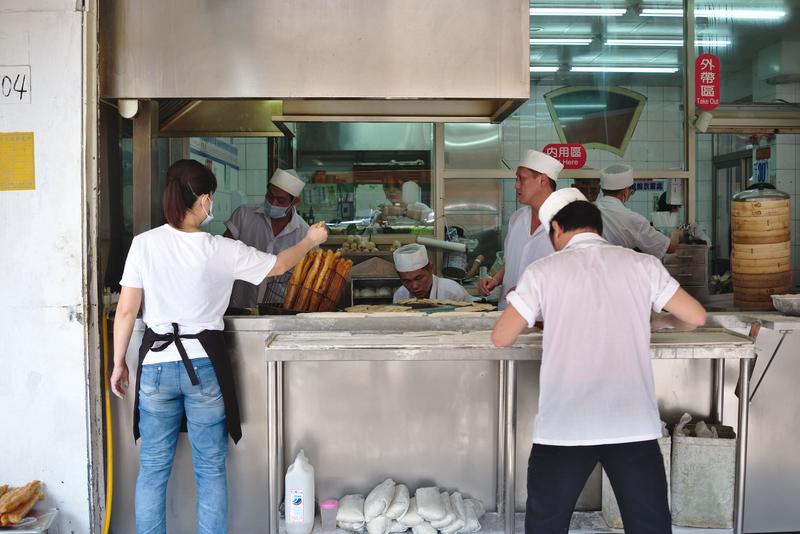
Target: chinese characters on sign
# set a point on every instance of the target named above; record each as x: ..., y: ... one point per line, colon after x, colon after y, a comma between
x: 16, y: 161
x: 648, y: 184
x: 573, y: 156
x: 706, y: 77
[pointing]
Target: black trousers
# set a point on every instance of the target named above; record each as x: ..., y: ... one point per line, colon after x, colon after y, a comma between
x: 557, y: 475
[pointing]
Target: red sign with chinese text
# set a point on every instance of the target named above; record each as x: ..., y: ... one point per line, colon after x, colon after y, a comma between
x: 706, y: 81
x: 572, y: 155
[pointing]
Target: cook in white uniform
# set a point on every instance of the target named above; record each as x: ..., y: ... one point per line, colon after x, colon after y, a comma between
x: 622, y: 226
x: 526, y: 240
x: 416, y: 274
x: 270, y: 227
x: 597, y: 399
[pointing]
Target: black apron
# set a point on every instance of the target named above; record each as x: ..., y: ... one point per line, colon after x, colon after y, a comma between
x: 213, y: 343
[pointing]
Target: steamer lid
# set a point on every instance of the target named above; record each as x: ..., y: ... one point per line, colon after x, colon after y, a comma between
x: 760, y: 192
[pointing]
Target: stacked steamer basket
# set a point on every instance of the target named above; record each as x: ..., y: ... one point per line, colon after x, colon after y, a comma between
x: 761, y: 255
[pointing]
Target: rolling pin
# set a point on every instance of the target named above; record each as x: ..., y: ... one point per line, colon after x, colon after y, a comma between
x: 444, y: 245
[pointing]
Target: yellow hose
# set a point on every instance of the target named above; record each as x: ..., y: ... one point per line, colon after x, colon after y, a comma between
x: 109, y: 429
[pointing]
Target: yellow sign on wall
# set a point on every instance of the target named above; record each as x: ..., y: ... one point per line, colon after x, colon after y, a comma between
x: 16, y: 161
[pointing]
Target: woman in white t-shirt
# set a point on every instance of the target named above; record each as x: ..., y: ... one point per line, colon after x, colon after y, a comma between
x: 182, y: 278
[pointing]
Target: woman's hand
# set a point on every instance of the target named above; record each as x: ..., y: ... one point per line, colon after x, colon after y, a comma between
x: 486, y: 285
x: 318, y: 233
x: 119, y: 379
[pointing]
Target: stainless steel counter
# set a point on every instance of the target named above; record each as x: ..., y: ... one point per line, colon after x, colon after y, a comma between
x: 420, y: 420
x: 402, y: 345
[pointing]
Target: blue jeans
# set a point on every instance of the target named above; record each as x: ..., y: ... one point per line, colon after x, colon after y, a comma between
x: 165, y: 394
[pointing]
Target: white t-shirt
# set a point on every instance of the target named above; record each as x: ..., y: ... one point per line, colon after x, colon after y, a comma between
x: 628, y: 229
x: 251, y: 225
x: 187, y: 279
x: 596, y: 381
x: 441, y: 288
x: 521, y: 248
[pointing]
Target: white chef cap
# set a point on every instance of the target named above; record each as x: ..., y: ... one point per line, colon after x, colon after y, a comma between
x: 410, y: 258
x: 288, y: 181
x: 617, y: 176
x: 541, y: 162
x: 556, y: 202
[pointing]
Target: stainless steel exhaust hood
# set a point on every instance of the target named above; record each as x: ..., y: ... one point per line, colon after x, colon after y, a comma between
x: 327, y: 60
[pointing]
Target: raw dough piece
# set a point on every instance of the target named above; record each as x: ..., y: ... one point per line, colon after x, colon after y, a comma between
x: 436, y: 302
x: 376, y: 308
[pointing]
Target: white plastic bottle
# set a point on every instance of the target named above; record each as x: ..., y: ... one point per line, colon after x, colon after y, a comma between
x: 299, y: 496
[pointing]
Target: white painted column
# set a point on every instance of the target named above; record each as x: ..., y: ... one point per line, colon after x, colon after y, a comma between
x: 43, y: 349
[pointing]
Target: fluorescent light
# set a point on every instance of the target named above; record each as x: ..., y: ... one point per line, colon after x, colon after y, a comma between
x: 652, y: 12
x: 712, y: 42
x: 577, y: 11
x: 651, y: 70
x: 759, y: 14
x: 665, y: 42
x: 560, y: 41
x: 753, y: 14
x: 579, y: 106
x: 544, y: 69
x: 644, y: 42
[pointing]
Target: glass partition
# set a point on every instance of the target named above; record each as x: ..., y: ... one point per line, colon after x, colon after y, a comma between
x: 367, y: 177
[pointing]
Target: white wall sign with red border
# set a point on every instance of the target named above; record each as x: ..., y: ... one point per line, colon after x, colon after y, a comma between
x: 572, y: 155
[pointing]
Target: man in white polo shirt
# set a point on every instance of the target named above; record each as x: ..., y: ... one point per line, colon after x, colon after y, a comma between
x: 272, y: 226
x: 526, y: 240
x: 416, y: 274
x: 625, y: 227
x: 597, y: 399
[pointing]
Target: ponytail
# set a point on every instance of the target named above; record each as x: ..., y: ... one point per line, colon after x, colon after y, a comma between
x: 187, y: 179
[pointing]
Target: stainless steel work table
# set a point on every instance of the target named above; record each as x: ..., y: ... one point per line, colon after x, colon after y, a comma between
x: 327, y: 346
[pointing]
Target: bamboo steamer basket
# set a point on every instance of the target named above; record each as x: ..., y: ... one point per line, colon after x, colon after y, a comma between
x: 745, y: 281
x: 766, y: 208
x: 761, y: 246
x: 744, y: 251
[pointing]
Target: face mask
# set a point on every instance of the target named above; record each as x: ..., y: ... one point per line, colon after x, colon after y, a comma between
x: 275, y: 212
x: 209, y: 214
